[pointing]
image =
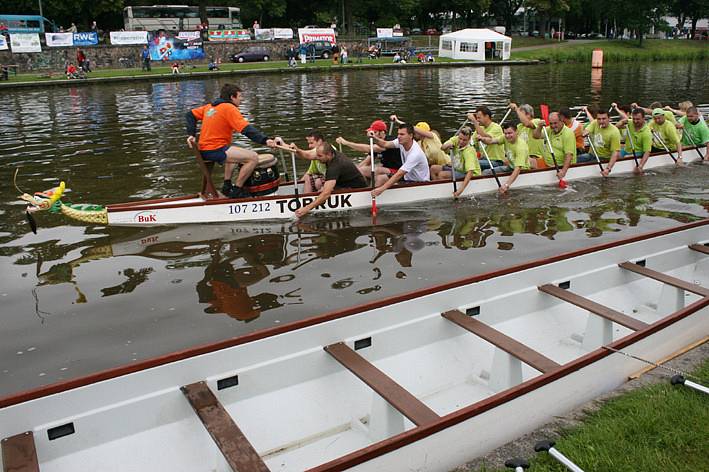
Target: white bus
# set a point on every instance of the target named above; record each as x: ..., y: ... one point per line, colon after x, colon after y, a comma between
x: 178, y: 18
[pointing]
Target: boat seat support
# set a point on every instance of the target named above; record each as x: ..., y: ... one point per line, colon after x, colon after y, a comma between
x: 595, y: 308
x: 397, y: 396
x: 506, y: 371
x: 704, y: 249
x: 667, y: 279
x: 19, y: 453
x: 233, y: 444
x: 511, y: 346
x: 599, y: 332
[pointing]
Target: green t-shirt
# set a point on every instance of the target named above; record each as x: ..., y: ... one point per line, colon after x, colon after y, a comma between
x: 694, y: 135
x: 466, y: 159
x: 536, y: 146
x: 641, y: 140
x: 670, y: 117
x: 496, y: 152
x: 606, y: 140
x: 667, y: 132
x: 517, y: 154
x: 317, y: 168
x: 563, y: 143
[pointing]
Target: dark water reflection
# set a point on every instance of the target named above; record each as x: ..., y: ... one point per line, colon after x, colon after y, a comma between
x: 76, y: 300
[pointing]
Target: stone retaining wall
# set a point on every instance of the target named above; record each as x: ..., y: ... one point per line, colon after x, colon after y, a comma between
x: 106, y: 56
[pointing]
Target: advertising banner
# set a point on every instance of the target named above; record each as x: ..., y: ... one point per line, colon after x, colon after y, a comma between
x: 59, y: 39
x: 262, y: 34
x: 385, y: 32
x: 306, y: 35
x: 229, y: 35
x: 25, y: 42
x: 86, y: 39
x: 165, y: 47
x: 129, y: 37
x: 282, y: 33
x: 189, y: 35
x: 3, y: 43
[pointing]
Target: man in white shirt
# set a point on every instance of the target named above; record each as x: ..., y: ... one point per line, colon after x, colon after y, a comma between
x: 415, y: 165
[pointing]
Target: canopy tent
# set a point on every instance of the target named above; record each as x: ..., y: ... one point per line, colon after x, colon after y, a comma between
x: 476, y: 44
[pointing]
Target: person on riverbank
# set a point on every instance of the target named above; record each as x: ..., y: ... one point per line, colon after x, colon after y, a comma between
x: 314, y: 177
x: 606, y: 140
x: 488, y: 137
x: 414, y: 167
x: 219, y: 120
x: 80, y: 58
x: 638, y: 140
x: 561, y: 140
x: 527, y: 124
x: 340, y: 173
x: 291, y: 53
x: 466, y: 161
x: 303, y: 52
x: 145, y: 56
x: 695, y: 131
x: 390, y: 158
x: 664, y: 133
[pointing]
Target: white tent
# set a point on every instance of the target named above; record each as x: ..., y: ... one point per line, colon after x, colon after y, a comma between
x: 476, y: 44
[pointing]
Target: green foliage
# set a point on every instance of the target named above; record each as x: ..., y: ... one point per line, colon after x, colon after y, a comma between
x: 621, y: 51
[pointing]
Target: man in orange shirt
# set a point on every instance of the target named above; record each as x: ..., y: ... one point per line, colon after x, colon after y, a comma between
x: 219, y: 120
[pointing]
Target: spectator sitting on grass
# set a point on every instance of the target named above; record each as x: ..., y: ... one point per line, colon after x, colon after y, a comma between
x: 429, y: 57
x: 420, y: 57
x: 214, y: 64
x: 397, y: 57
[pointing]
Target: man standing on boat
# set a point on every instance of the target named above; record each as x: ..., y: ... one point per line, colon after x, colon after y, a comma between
x: 561, y: 140
x: 605, y: 138
x: 219, y: 120
x: 465, y: 157
x: 340, y: 172
x: 490, y: 135
x: 665, y: 134
x: 638, y: 140
x: 415, y: 165
x: 390, y: 158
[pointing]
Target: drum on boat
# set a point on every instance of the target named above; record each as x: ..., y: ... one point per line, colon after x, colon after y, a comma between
x: 265, y: 179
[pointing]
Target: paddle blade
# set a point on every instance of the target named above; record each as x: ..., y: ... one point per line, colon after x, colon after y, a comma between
x: 31, y: 221
x: 544, y: 108
x: 562, y: 184
x: 374, y: 206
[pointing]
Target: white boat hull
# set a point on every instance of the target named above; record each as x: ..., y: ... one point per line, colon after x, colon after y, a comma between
x: 301, y: 409
x: 283, y: 205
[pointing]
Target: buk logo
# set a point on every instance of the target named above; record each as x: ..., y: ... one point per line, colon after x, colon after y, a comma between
x: 145, y: 217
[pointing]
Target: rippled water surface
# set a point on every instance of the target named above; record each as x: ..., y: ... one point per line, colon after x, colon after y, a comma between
x: 78, y: 299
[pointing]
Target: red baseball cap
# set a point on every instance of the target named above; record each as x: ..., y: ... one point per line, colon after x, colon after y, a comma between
x: 377, y: 125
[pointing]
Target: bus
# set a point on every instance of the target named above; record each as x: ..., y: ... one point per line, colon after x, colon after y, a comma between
x: 178, y: 18
x: 26, y: 24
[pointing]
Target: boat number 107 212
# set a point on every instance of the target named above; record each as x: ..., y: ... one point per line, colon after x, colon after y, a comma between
x: 257, y: 207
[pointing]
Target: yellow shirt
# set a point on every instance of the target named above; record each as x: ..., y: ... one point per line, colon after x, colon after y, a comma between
x: 432, y: 148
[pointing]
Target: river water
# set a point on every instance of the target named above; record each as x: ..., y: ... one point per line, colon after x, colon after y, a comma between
x: 78, y: 299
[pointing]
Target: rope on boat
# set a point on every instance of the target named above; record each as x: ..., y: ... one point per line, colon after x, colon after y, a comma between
x: 654, y: 364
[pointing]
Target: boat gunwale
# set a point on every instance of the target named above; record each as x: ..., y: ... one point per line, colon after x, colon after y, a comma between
x: 114, y: 372
x: 155, y: 204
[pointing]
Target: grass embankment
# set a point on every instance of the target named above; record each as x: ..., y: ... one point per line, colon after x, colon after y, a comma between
x: 162, y: 70
x: 659, y: 428
x: 621, y: 51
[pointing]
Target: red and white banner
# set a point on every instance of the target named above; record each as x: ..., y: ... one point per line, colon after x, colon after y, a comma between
x: 307, y: 35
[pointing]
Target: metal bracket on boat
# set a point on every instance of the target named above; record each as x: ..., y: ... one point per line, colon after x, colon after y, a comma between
x: 548, y: 446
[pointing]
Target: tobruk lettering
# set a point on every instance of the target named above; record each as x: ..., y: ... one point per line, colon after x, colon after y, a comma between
x: 333, y: 202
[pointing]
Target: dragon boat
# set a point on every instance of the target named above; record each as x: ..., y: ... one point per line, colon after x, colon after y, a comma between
x: 285, y: 199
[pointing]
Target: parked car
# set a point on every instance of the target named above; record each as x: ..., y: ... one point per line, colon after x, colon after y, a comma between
x: 431, y: 31
x: 323, y: 49
x: 252, y: 54
x: 415, y: 30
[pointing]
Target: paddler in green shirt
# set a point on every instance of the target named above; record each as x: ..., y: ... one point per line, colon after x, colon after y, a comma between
x: 563, y: 142
x: 465, y: 158
x: 669, y: 116
x: 605, y: 140
x: 664, y: 134
x: 516, y: 155
x: 638, y: 140
x: 489, y: 133
x: 526, y: 127
x: 695, y: 131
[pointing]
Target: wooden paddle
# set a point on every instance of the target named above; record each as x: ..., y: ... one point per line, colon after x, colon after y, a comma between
x: 295, y: 174
x: 659, y: 139
x: 632, y: 144
x: 595, y: 152
x: 374, y: 179
x: 492, y: 168
x: 562, y: 182
x: 452, y: 155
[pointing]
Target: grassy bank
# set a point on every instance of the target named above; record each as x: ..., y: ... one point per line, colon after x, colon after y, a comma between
x: 654, y: 429
x: 621, y: 51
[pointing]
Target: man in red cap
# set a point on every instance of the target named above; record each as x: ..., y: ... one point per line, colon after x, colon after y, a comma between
x: 390, y: 158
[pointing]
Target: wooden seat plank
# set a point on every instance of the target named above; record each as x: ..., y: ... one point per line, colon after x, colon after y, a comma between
x: 237, y: 450
x: 19, y: 453
x: 700, y: 248
x: 595, y: 308
x: 511, y: 346
x: 397, y: 396
x: 664, y: 278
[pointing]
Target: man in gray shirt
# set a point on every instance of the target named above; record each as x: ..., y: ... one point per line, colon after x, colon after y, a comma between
x: 415, y: 165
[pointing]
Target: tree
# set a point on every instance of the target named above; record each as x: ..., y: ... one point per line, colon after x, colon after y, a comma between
x: 547, y: 9
x: 506, y: 10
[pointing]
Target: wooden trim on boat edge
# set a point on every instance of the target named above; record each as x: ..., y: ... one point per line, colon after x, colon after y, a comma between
x: 175, y: 356
x: 388, y: 445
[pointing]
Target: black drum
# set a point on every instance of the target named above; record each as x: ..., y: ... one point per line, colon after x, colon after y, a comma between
x: 265, y: 178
